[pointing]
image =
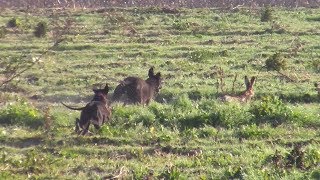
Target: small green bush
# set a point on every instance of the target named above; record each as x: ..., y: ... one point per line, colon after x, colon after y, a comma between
x: 253, y: 132
x: 183, y: 103
x: 180, y: 25
x: 41, y: 29
x: 266, y: 14
x: 229, y: 115
x: 207, y: 131
x: 193, y: 121
x: 276, y: 62
x: 312, y: 158
x: 270, y: 110
x: 14, y: 22
x: 21, y: 113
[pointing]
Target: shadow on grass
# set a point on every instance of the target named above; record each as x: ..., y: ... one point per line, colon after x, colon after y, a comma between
x: 22, y: 142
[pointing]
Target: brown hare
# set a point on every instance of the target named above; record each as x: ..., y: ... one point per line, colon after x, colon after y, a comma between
x: 96, y: 112
x: 317, y: 85
x: 245, y: 96
x: 137, y: 90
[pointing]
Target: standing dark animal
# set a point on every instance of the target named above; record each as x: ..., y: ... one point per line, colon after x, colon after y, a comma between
x: 137, y: 90
x: 96, y: 112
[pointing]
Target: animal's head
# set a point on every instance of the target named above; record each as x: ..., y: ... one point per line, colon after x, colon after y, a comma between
x: 155, y: 80
x: 101, y: 94
x: 249, y: 86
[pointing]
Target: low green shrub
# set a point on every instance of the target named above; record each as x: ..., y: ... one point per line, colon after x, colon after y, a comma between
x: 276, y: 62
x: 180, y: 25
x: 229, y: 115
x: 164, y: 114
x: 207, y: 131
x: 253, y: 132
x: 183, y: 103
x: 270, y: 110
x: 21, y: 113
x: 312, y: 158
x: 171, y: 173
x: 195, y: 120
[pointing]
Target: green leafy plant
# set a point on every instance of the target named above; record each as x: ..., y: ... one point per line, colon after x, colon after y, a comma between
x: 276, y: 62
x: 170, y: 173
x: 180, y: 25
x: 21, y: 113
x: 253, y: 132
x: 230, y: 115
x: 270, y: 110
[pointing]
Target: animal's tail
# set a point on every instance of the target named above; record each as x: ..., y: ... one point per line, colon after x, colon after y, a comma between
x: 119, y: 91
x: 73, y: 108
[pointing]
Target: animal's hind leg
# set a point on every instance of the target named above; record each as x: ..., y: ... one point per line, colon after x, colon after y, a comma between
x: 85, y: 128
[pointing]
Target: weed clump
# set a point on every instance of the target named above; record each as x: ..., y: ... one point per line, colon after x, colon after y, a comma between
x: 41, y: 29
x: 21, y: 113
x: 276, y: 62
x: 298, y: 157
x: 266, y: 14
x: 180, y: 25
x: 14, y: 22
x: 270, y: 110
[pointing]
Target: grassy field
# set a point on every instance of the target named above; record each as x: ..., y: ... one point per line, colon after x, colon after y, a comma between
x: 187, y: 132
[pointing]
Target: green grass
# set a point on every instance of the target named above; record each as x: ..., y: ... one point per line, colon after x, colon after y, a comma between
x: 186, y: 133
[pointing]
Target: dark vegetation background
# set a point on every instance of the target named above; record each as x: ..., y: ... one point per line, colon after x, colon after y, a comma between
x: 146, y: 3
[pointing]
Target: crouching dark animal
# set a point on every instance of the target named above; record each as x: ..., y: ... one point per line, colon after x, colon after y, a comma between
x: 137, y: 90
x: 96, y: 112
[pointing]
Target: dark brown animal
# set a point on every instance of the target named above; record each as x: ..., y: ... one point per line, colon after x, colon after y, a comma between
x: 96, y: 112
x: 137, y: 90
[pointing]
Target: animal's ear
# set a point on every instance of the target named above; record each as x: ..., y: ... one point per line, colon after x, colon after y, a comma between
x: 106, y: 88
x: 151, y: 73
x: 246, y: 81
x: 158, y: 75
x: 95, y: 90
x: 253, y: 80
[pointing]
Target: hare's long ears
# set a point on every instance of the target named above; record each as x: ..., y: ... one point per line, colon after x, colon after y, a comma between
x: 246, y: 81
x: 253, y: 80
x: 151, y: 73
x: 249, y: 84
